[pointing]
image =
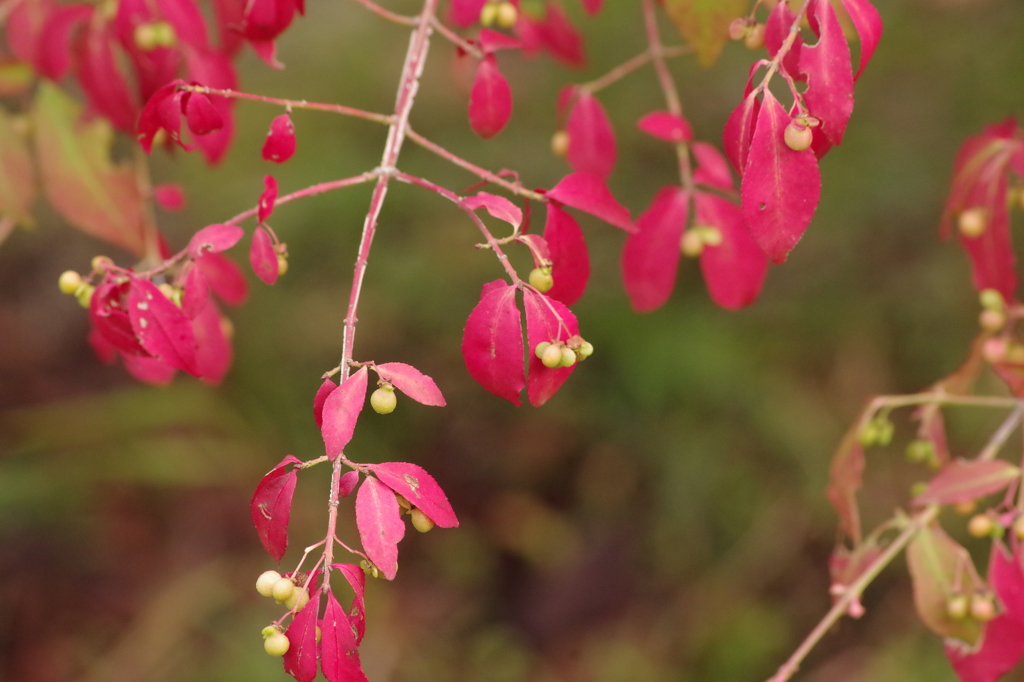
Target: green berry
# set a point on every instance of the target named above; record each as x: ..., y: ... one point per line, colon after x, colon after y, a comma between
x: 980, y: 526
x: 383, y: 400
x: 420, y: 521
x: 568, y: 358
x: 164, y: 34
x: 539, y: 350
x: 265, y: 583
x: 541, y: 280
x: 586, y: 350
x: 298, y: 599
x: 69, y: 281
x: 957, y: 606
x: 552, y: 356
x: 991, y: 299
x: 488, y: 13
x: 282, y: 590
x: 920, y: 450
x: 402, y: 502
x: 269, y: 630
x: 276, y: 644
x: 84, y: 294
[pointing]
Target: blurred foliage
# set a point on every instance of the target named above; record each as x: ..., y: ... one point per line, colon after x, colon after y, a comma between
x: 662, y: 518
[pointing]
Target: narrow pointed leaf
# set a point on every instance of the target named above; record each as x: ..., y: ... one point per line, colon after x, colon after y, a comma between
x: 589, y: 194
x: 546, y: 320
x: 271, y: 507
x: 356, y: 578
x: 776, y: 30
x: 735, y: 269
x: 490, y: 100
x: 499, y: 207
x: 341, y: 410
x: 213, y: 348
x: 739, y: 131
x: 846, y: 475
x: 936, y: 561
x: 666, y: 126
x: 161, y: 327
x: 591, y: 138
x: 965, y: 481
x: 650, y: 258
x: 492, y: 342
x: 416, y: 485
x: 263, y: 257
x: 378, y: 518
x: 868, y: 23
x: 225, y: 278
x: 570, y: 263
x: 339, y: 655
x: 829, y: 94
x: 300, y: 660
x: 170, y: 196
x: 712, y: 168
x: 781, y: 187
x: 326, y: 388
x: 411, y: 382
x: 265, y: 207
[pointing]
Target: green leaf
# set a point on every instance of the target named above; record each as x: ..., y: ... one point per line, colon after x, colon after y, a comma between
x: 17, y: 177
x: 81, y: 181
x: 939, y: 567
x: 705, y: 23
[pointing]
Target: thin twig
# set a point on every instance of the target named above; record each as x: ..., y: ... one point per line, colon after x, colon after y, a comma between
x: 999, y: 438
x: 291, y: 103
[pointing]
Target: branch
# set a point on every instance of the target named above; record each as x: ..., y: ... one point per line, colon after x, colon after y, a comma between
x: 291, y: 103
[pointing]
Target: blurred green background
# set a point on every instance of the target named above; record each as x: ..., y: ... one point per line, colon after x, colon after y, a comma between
x: 662, y: 518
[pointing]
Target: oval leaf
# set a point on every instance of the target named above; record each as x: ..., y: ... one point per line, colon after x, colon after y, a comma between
x: 420, y: 488
x: 666, y: 126
x: 341, y: 410
x: 588, y: 193
x: 490, y: 101
x: 965, y: 480
x: 499, y: 207
x: 492, y: 343
x: 379, y: 520
x: 300, y: 660
x: 567, y: 250
x: 262, y: 256
x: 411, y: 382
x: 214, y: 239
x: 936, y: 561
x: 591, y: 138
x: 271, y: 507
x: 161, y: 327
x: 829, y: 94
x: 650, y: 258
x: 735, y: 269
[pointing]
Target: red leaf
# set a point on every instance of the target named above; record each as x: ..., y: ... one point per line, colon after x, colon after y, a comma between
x: 202, y: 116
x: 567, y: 250
x: 490, y: 101
x: 339, y: 655
x: 341, y: 410
x: 380, y: 524
x: 215, y: 70
x: 868, y: 23
x: 213, y: 348
x: 320, y: 398
x: 492, y: 343
x: 356, y: 578
x: 591, y: 138
x: 739, y: 131
x: 54, y: 57
x: 110, y: 321
x: 829, y: 94
x: 588, y: 193
x: 993, y: 265
x: 964, y: 481
x: 224, y: 277
x: 411, y: 382
x: 781, y: 187
x: 650, y: 257
x: 265, y: 207
x: 149, y: 370
x: 734, y: 270
x: 499, y: 207
x: 161, y: 327
x: 592, y: 6
x: 465, y: 13
x: 280, y: 143
x: 554, y: 33
x: 546, y: 320
x: 347, y: 483
x: 666, y: 126
x: 271, y: 507
x: 263, y: 257
x: 300, y: 659
x: 776, y: 29
x: 1002, y: 644
x: 214, y: 239
x: 102, y: 80
x: 492, y: 41
x: 712, y: 168
x: 416, y: 485
x: 169, y: 196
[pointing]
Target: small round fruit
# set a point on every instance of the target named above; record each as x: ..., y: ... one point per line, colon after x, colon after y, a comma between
x: 541, y: 280
x: 983, y: 607
x: 965, y: 508
x: 488, y: 13
x: 972, y: 222
x: 145, y: 37
x: 269, y: 630
x: 920, y: 450
x: 167, y: 290
x: 798, y: 136
x: 402, y: 502
x: 957, y: 606
x: 539, y: 350
x: 552, y: 356
x: 738, y: 28
x: 282, y: 265
x: 102, y: 263
x: 692, y: 243
x: 991, y: 320
x: 420, y: 521
x: 885, y: 431
x: 980, y: 526
x: 507, y: 15
x: 277, y: 644
x: 383, y: 400
x: 754, y: 40
x: 164, y: 34
x: 69, y: 281
x: 298, y: 599
x: 711, y: 236
x: 994, y: 350
x: 586, y: 349
x: 1018, y: 527
x: 568, y: 357
x: 265, y: 583
x: 991, y: 299
x: 560, y: 143
x: 84, y: 295
x: 282, y: 590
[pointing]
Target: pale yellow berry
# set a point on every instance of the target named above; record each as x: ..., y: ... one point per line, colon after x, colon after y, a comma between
x: 166, y: 289
x: 991, y: 299
x: 1018, y: 527
x: 164, y: 34
x: 507, y: 15
x: 568, y: 357
x: 383, y: 400
x: 489, y: 13
x: 965, y: 508
x: 265, y: 583
x: 586, y: 349
x: 69, y: 281
x: 980, y: 526
x: 420, y: 521
x: 276, y: 644
x: 957, y: 606
x: 539, y: 350
x: 269, y: 630
x: 102, y: 263
x: 972, y: 222
x: 738, y: 28
x: 298, y: 599
x: 560, y: 143
x: 282, y: 590
x: 798, y: 137
x: 282, y: 265
x: 145, y: 37
x: 754, y: 40
x: 541, y: 280
x: 84, y: 295
x: 983, y: 607
x: 402, y: 502
x: 711, y: 236
x: 552, y: 356
x: 692, y: 243
x: 991, y: 320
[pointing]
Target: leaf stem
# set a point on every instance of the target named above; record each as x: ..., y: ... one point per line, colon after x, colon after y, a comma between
x: 291, y: 103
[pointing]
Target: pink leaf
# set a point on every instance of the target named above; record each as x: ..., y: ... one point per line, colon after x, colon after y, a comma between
x: 650, y: 257
x: 213, y: 348
x: 416, y: 485
x: 991, y: 252
x: 169, y: 196
x: 666, y: 126
x: 550, y: 321
x: 465, y: 13
x: 490, y: 101
x: 280, y: 143
x: 347, y: 483
x: 846, y: 475
x: 356, y: 578
x: 592, y: 6
x: 781, y: 187
x: 102, y: 79
x: 224, y: 277
x: 492, y: 41
x: 776, y: 30
x: 499, y: 207
x: 214, y: 239
x: 1002, y: 644
x: 339, y: 655
x: 965, y: 481
x: 110, y: 321
x: 739, y: 131
x: 271, y: 507
x: 300, y: 659
x: 868, y: 23
x: 712, y: 168
x: 379, y: 520
x: 202, y: 116
x: 829, y: 94
x: 570, y: 264
x: 492, y: 343
x: 161, y: 327
x: 263, y: 257
x: 734, y: 270
x: 411, y: 382
x: 591, y: 138
x: 588, y: 193
x: 55, y: 46
x: 554, y: 33
x: 265, y: 207
x: 538, y: 246
x: 214, y: 69
x: 341, y: 410
x: 149, y: 370
x: 320, y: 398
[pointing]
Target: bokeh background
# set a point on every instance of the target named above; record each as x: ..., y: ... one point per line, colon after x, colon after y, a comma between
x: 662, y: 518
